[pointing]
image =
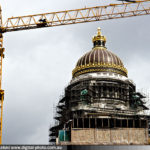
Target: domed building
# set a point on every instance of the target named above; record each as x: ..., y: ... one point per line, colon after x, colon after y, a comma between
x: 100, y: 105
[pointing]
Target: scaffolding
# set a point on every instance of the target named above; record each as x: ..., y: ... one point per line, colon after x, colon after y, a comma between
x: 83, y: 100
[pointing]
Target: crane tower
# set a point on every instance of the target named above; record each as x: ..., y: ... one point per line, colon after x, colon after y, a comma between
x: 1, y: 91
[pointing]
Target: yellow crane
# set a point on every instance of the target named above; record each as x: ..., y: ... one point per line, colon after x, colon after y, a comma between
x: 83, y: 15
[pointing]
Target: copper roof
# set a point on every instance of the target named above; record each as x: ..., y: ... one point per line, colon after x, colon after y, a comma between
x: 99, y: 59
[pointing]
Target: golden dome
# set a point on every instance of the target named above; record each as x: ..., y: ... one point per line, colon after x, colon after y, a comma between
x: 99, y: 59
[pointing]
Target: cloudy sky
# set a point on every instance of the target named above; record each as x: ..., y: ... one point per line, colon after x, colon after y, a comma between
x: 38, y: 63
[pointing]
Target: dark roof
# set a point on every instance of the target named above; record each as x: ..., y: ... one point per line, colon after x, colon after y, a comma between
x: 99, y: 59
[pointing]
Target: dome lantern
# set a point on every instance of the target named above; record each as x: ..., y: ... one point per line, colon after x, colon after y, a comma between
x: 99, y: 40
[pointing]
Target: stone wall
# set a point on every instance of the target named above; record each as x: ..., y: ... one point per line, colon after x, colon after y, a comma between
x: 109, y: 136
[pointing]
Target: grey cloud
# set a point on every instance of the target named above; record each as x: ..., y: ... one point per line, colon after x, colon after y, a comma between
x: 38, y: 64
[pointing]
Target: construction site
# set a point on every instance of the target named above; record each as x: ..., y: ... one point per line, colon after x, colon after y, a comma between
x: 101, y: 104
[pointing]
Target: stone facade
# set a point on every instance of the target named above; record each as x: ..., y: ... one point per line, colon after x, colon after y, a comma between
x: 122, y: 136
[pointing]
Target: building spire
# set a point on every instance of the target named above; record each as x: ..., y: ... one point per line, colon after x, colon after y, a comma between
x: 99, y: 31
x: 99, y: 40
